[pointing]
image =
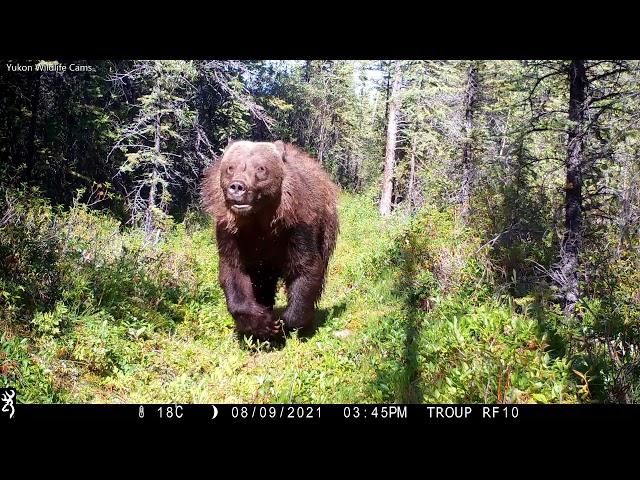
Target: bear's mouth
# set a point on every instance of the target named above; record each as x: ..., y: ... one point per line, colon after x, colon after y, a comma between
x: 241, y: 208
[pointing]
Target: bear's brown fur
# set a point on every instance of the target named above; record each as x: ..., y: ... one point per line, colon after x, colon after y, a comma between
x: 275, y: 214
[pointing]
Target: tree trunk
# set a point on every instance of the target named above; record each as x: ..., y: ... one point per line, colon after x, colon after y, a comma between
x: 572, y: 240
x: 503, y: 144
x: 321, y: 135
x: 630, y: 197
x: 307, y: 71
x: 150, y: 220
x: 387, y: 93
x: 31, y: 136
x: 412, y: 172
x: 389, y: 158
x: 468, y: 167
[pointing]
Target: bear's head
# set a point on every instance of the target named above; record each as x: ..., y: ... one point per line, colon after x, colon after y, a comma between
x: 251, y: 175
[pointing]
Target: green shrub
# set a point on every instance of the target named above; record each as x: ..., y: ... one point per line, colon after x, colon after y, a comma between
x: 19, y: 370
x: 49, y: 323
x: 104, y: 346
x: 490, y: 354
x: 30, y: 248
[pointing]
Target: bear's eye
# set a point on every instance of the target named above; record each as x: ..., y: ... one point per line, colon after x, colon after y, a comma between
x: 230, y: 169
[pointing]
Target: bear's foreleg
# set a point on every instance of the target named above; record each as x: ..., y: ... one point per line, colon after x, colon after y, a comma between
x: 250, y: 317
x: 303, y: 292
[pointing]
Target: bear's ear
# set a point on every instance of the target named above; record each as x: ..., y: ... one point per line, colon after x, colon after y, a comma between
x: 229, y: 145
x: 281, y: 148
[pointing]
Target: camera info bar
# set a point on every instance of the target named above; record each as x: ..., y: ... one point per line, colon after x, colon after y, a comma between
x: 13, y: 412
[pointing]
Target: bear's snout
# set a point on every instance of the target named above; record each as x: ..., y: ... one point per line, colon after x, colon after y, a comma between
x: 237, y: 190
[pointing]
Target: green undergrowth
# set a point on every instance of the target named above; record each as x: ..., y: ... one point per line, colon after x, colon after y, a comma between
x: 91, y: 313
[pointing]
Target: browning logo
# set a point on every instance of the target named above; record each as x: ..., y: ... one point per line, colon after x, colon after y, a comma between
x: 7, y: 397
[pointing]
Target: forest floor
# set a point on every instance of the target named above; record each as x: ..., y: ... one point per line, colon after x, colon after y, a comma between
x: 173, y: 339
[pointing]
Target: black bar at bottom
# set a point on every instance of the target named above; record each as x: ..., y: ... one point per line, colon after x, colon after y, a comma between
x: 325, y: 414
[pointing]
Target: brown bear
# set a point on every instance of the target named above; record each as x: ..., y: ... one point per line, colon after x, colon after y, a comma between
x: 275, y: 213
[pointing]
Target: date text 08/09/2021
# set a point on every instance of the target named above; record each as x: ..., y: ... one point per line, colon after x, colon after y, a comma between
x: 240, y: 412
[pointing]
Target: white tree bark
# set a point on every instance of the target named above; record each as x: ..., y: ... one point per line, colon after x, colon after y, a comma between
x: 390, y: 153
x: 412, y: 172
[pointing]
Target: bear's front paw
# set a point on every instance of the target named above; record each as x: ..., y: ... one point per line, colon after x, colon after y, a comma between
x: 261, y: 324
x: 297, y: 320
x: 268, y: 328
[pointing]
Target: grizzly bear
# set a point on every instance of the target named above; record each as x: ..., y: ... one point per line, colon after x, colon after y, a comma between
x: 275, y: 215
